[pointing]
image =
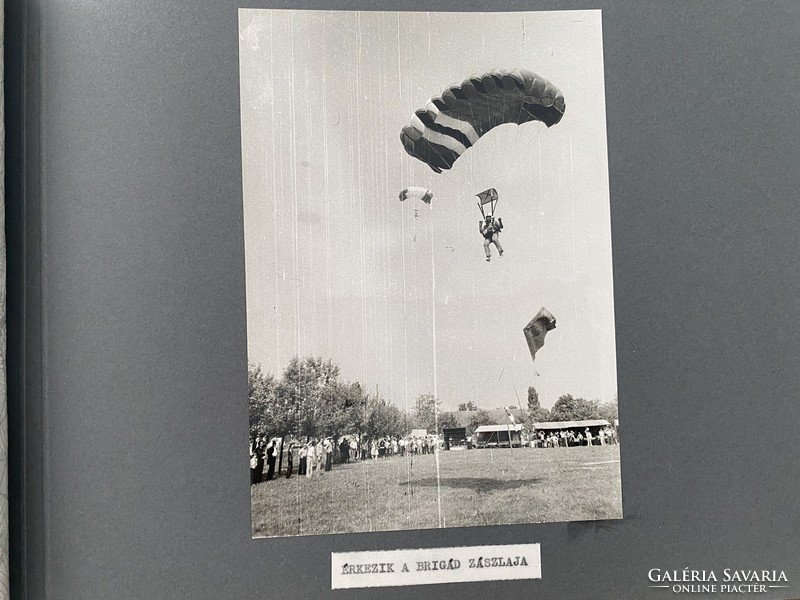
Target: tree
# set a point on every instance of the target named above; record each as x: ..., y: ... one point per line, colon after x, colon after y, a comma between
x: 306, y: 389
x: 608, y: 410
x: 467, y: 406
x: 481, y: 418
x: 533, y: 398
x: 447, y: 420
x: 568, y: 408
x: 340, y: 409
x: 262, y: 387
x: 536, y: 413
x: 384, y: 420
x: 426, y: 408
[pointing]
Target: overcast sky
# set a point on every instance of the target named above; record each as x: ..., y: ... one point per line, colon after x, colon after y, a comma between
x: 398, y: 294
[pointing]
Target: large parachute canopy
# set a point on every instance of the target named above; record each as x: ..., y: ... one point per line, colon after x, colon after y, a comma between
x: 417, y: 193
x: 537, y: 328
x: 449, y: 124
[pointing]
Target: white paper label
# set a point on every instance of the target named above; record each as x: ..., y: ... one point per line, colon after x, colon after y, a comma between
x: 424, y: 566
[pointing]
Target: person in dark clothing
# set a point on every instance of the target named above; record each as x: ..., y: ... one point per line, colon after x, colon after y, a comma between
x: 301, y: 467
x: 256, y: 463
x: 257, y: 474
x: 260, y: 461
x: 490, y: 230
x: 271, y: 460
x: 289, y: 460
x: 328, y: 445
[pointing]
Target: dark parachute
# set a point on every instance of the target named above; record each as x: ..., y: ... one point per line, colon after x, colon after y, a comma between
x: 449, y: 124
x: 537, y: 328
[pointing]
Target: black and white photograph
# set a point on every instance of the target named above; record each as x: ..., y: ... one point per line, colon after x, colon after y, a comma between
x: 429, y: 286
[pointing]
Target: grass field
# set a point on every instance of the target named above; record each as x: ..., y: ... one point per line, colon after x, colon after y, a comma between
x: 474, y: 487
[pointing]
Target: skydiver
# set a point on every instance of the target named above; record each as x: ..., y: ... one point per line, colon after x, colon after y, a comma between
x: 490, y: 229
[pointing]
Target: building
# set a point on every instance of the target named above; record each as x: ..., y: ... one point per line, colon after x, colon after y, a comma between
x: 494, y: 436
x: 455, y: 438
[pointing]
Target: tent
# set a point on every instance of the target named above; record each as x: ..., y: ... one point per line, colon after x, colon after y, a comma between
x: 491, y: 436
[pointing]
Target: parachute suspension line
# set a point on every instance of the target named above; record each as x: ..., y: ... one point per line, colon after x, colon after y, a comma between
x: 519, y: 134
x: 399, y: 68
x: 293, y: 163
x: 572, y: 200
x: 433, y: 336
x: 471, y: 151
x: 414, y: 270
x: 311, y: 244
x: 325, y: 188
x: 541, y: 203
x: 271, y: 160
x: 384, y: 185
x: 428, y: 16
x: 361, y: 232
x: 409, y: 464
x: 435, y: 380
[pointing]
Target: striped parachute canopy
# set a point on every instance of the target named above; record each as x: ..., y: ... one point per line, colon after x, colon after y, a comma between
x: 449, y: 124
x: 417, y: 193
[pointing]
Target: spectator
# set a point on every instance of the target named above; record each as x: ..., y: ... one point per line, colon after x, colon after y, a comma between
x: 301, y: 467
x: 271, y: 460
x: 289, y: 461
x: 310, y: 458
x: 327, y: 448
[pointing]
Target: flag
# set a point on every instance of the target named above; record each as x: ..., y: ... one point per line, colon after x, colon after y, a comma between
x: 536, y: 330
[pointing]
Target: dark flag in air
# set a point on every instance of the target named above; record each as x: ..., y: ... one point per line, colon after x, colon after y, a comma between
x: 537, y: 328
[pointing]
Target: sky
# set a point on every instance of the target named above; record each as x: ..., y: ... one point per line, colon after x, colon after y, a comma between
x: 399, y: 294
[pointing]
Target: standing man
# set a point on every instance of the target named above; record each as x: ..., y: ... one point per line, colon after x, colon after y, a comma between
x: 327, y: 449
x: 310, y: 459
x: 319, y: 454
x: 271, y: 460
x: 289, y: 460
x: 301, y: 467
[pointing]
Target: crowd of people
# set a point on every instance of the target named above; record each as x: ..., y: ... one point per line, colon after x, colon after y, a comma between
x: 377, y: 448
x: 570, y: 437
x: 316, y: 454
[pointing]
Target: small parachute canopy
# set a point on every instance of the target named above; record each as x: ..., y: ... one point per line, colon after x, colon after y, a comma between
x: 442, y: 130
x: 417, y: 193
x: 487, y: 197
x: 537, y: 329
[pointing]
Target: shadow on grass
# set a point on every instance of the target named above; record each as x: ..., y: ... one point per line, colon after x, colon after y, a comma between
x: 478, y: 484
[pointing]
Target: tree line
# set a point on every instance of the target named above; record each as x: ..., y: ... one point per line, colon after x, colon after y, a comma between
x: 310, y: 399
